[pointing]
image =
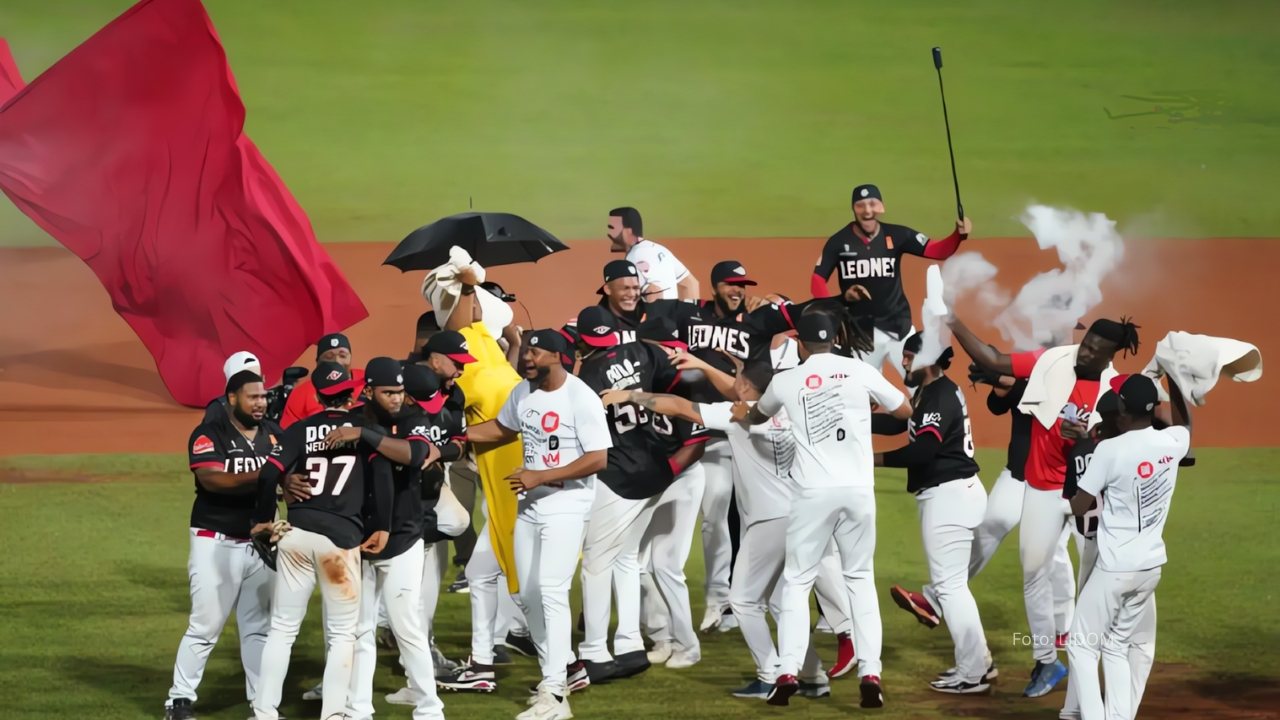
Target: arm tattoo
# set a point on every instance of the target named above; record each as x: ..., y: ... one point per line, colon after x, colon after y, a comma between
x: 644, y: 399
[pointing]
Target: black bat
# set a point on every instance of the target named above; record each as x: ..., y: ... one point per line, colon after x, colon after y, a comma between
x: 937, y: 64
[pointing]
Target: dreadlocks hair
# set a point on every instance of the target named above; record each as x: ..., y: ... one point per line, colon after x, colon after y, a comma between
x: 855, y: 331
x: 1124, y: 333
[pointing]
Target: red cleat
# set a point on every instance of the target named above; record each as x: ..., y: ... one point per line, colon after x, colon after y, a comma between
x: 872, y: 695
x: 846, y: 658
x: 783, y: 688
x: 916, y: 604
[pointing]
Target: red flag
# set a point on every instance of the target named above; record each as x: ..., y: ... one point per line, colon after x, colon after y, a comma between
x: 10, y: 79
x: 130, y: 151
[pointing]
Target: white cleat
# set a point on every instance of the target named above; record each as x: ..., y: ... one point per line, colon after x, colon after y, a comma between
x: 546, y: 707
x: 315, y: 693
x: 684, y: 659
x: 405, y: 696
x: 661, y: 652
x: 711, y: 618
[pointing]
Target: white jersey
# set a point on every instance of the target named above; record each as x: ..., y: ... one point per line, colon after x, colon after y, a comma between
x: 557, y: 428
x: 786, y: 355
x: 828, y: 400
x: 1133, y: 475
x: 762, y: 455
x: 657, y: 266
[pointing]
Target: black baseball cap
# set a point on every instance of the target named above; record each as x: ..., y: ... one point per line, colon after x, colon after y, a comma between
x: 867, y: 192
x: 1138, y: 395
x: 451, y: 344
x: 730, y: 271
x: 816, y: 327
x: 615, y: 269
x: 549, y: 340
x: 424, y: 387
x: 330, y: 342
x: 598, y: 327
x: 1109, y: 403
x: 570, y: 334
x: 383, y: 372
x: 330, y: 378
x: 664, y: 331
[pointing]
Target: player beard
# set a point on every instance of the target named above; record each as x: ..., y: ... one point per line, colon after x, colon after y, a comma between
x: 245, y: 419
x: 536, y: 374
x: 725, y: 310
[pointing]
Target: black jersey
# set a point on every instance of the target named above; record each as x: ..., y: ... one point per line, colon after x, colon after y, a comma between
x: 407, y: 515
x: 940, y: 411
x: 747, y: 336
x: 681, y: 312
x: 337, y: 476
x: 443, y: 427
x: 874, y: 264
x: 638, y: 465
x: 1078, y: 456
x: 217, y: 444
x: 1019, y: 427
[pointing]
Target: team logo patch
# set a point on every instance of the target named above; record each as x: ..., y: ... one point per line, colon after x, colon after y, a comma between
x: 399, y: 379
x: 1146, y: 470
x: 888, y: 242
x: 922, y: 238
x: 813, y: 382
x: 202, y: 445
x: 550, y: 422
x: 335, y: 375
x: 740, y: 270
x: 333, y: 342
x: 822, y: 334
x: 463, y: 345
x: 602, y: 330
x: 865, y: 192
x: 533, y: 340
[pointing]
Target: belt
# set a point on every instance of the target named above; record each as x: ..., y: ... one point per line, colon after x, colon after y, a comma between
x: 217, y: 535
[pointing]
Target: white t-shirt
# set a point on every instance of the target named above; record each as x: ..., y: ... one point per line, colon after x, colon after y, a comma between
x: 1133, y: 475
x: 557, y: 428
x: 762, y: 456
x: 657, y: 266
x: 828, y: 400
x: 786, y: 355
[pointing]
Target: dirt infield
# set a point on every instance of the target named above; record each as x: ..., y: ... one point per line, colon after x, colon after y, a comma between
x: 74, y: 378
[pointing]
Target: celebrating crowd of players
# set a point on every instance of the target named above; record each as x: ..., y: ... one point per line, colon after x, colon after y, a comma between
x: 619, y: 429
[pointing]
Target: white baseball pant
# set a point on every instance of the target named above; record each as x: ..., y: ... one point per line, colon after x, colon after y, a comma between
x: 831, y: 591
x: 1111, y: 609
x: 490, y: 617
x: 948, y: 515
x: 664, y: 551
x: 398, y: 581
x: 1004, y: 509
x: 225, y: 575
x: 1046, y: 515
x: 817, y: 515
x: 887, y: 347
x: 717, y: 545
x: 307, y: 559
x: 546, y: 553
x: 611, y: 558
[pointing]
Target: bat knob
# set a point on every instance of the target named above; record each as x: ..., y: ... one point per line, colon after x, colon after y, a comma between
x: 937, y: 58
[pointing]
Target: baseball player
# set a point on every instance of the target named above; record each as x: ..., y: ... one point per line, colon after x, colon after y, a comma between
x: 1067, y: 382
x: 762, y: 458
x: 620, y: 294
x: 565, y: 436
x: 943, y: 475
x: 867, y: 252
x: 396, y: 574
x: 335, y: 348
x: 662, y: 275
x: 225, y: 572
x: 328, y: 532
x: 1134, y: 475
x: 828, y: 402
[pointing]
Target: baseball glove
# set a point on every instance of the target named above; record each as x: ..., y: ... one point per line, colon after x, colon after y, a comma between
x: 981, y: 376
x: 265, y: 539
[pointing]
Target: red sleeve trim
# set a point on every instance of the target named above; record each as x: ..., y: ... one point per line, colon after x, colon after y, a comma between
x: 674, y: 382
x: 277, y: 463
x: 818, y: 286
x: 1024, y: 362
x: 786, y: 315
x: 944, y: 248
x: 934, y: 430
x: 695, y: 440
x: 458, y: 438
x: 207, y: 464
x: 419, y: 438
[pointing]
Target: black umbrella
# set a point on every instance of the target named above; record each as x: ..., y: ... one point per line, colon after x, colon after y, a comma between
x: 490, y: 238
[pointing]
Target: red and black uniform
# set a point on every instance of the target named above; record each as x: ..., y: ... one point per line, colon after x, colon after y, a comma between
x: 681, y: 312
x: 446, y: 428
x: 874, y: 264
x: 338, y: 478
x: 217, y: 444
x: 1046, y: 467
x: 940, y: 435
x: 744, y: 335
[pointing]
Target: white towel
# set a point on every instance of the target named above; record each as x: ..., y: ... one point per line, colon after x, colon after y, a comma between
x: 1049, y: 387
x: 1196, y: 362
x: 441, y: 289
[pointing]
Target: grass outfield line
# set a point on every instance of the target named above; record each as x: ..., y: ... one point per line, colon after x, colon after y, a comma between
x: 95, y: 600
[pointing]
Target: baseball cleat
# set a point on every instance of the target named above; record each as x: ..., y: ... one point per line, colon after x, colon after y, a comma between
x: 757, y: 689
x: 386, y: 639
x: 547, y: 707
x: 179, y: 709
x: 783, y: 688
x: 711, y: 618
x: 460, y: 585
x: 630, y: 664
x: 522, y: 644
x: 577, y: 677
x: 1044, y: 678
x: 443, y: 665
x: 600, y: 672
x: 473, y: 677
x: 315, y: 693
x: 916, y: 604
x: 501, y: 656
x: 815, y: 690
x: 684, y: 659
x: 956, y: 686
x: 846, y: 658
x: 872, y: 693
x: 404, y: 696
x: 727, y: 621
x: 661, y: 652
x: 988, y: 677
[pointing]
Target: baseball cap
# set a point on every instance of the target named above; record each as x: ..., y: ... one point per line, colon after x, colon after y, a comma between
x: 424, y: 387
x: 549, y: 340
x: 331, y: 341
x: 615, y: 269
x: 330, y: 378
x: 867, y: 192
x: 451, y: 344
x: 730, y: 271
x: 598, y: 327
x: 383, y: 372
x: 662, y: 330
x: 1138, y: 395
x: 816, y: 327
x: 1109, y: 403
x: 243, y: 360
x: 915, y: 344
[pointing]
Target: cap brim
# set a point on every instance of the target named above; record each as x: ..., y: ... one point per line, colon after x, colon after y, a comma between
x: 605, y: 341
x: 351, y: 384
x: 737, y: 280
x: 464, y: 358
x: 434, y: 403
x: 674, y: 344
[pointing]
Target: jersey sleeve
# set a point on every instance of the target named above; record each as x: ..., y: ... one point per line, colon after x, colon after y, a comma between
x: 592, y: 422
x: 678, y: 270
x: 772, y: 319
x: 1024, y: 362
x: 205, y: 450
x: 826, y: 263
x: 1182, y: 436
x: 509, y: 415
x: 882, y: 392
x: 1094, y: 480
x: 912, y: 241
x: 769, y: 403
x: 717, y: 415
x: 284, y: 455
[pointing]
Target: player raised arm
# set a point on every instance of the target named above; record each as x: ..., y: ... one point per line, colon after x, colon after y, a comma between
x: 720, y: 380
x: 984, y: 355
x: 940, y: 249
x: 670, y: 405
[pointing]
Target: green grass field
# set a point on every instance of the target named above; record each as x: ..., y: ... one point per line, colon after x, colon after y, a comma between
x: 721, y: 118
x: 95, y: 600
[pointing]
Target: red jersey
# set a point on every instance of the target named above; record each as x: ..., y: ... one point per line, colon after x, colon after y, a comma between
x: 302, y: 402
x: 1046, y: 467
